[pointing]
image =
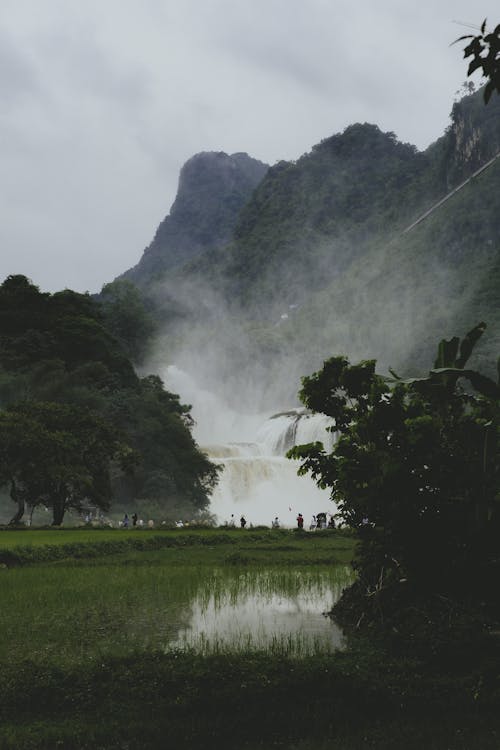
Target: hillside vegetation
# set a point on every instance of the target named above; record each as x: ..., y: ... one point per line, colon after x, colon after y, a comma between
x: 79, y: 429
x: 318, y: 261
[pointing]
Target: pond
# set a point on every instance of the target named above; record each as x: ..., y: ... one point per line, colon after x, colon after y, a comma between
x: 81, y: 613
x: 278, y: 611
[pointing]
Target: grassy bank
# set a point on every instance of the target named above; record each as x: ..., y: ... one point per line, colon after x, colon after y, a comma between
x: 77, y: 670
x: 234, y: 546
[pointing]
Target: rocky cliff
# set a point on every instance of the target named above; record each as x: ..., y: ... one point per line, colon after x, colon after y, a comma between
x: 213, y: 187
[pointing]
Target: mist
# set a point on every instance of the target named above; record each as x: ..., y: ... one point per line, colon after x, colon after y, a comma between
x: 318, y: 264
x: 257, y: 481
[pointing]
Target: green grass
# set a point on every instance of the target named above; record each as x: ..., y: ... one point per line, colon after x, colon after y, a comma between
x: 264, y: 546
x: 64, y: 615
x: 78, y: 595
x: 85, y: 615
x: 352, y: 700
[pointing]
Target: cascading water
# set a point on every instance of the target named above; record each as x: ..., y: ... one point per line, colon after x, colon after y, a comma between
x: 257, y: 480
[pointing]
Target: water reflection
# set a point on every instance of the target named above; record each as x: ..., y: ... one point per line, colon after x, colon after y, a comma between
x: 281, y: 611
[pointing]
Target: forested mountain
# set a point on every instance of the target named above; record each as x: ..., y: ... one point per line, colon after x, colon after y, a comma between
x: 319, y: 262
x: 213, y: 187
x: 78, y: 428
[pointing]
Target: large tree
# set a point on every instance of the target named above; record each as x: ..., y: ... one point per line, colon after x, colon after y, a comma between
x: 416, y: 470
x: 59, y: 455
x: 171, y: 467
x: 63, y: 349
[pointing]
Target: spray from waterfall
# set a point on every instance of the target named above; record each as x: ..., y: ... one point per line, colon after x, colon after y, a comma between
x: 257, y: 480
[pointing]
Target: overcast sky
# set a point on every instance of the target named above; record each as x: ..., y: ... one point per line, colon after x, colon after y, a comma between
x: 102, y: 101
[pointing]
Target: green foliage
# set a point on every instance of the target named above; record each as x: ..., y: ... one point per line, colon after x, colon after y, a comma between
x: 71, y: 397
x: 307, y: 219
x: 485, y: 52
x: 127, y: 318
x: 79, y: 672
x: 322, y: 241
x: 171, y: 466
x: 64, y: 330
x: 206, y: 545
x: 416, y: 469
x: 59, y: 455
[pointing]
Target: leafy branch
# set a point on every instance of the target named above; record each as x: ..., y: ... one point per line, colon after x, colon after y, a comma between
x: 485, y: 52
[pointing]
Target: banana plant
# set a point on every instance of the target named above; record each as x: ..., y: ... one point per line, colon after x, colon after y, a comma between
x: 452, y: 356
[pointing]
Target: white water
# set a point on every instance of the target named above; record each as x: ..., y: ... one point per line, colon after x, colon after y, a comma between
x: 257, y: 480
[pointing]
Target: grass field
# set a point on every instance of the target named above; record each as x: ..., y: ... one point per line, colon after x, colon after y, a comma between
x: 81, y: 665
x: 233, y: 546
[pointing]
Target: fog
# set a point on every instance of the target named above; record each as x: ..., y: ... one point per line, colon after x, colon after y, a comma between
x: 237, y: 341
x: 256, y: 480
x: 374, y: 309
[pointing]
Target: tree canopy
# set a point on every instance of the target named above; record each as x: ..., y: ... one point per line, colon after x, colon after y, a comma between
x: 74, y: 412
x: 59, y: 455
x: 127, y: 317
x: 416, y: 470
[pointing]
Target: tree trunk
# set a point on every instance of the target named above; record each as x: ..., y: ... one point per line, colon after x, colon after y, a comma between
x: 58, y: 510
x: 18, y: 498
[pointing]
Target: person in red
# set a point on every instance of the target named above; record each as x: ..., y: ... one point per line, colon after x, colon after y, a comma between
x: 300, y: 521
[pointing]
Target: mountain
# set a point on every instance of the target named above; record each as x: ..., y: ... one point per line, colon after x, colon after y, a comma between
x: 213, y: 188
x: 319, y: 260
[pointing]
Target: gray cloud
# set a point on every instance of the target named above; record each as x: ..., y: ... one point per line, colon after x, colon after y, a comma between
x: 18, y: 77
x: 102, y: 103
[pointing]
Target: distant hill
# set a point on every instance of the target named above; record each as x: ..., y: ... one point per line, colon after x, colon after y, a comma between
x: 213, y: 188
x: 315, y: 260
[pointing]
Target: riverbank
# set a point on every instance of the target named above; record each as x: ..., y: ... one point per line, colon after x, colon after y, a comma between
x: 359, y: 698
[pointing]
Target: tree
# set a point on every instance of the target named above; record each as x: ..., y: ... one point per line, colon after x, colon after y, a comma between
x: 57, y: 349
x: 127, y: 318
x: 60, y: 455
x: 416, y: 471
x: 484, y: 49
x: 173, y: 472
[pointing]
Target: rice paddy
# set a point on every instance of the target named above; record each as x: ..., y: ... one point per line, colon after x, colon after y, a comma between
x: 112, y: 640
x: 70, y: 614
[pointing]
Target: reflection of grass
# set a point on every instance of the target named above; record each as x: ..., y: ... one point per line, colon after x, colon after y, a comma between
x: 83, y: 662
x: 278, y: 645
x: 132, y: 599
x: 69, y: 614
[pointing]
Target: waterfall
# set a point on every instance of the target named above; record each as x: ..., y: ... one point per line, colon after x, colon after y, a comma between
x: 257, y: 481
x: 282, y: 431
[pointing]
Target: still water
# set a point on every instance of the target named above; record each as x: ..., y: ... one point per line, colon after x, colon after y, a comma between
x: 85, y: 612
x: 278, y: 611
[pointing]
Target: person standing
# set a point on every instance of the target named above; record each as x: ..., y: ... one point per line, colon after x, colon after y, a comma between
x: 125, y: 521
x: 243, y: 522
x: 300, y: 521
